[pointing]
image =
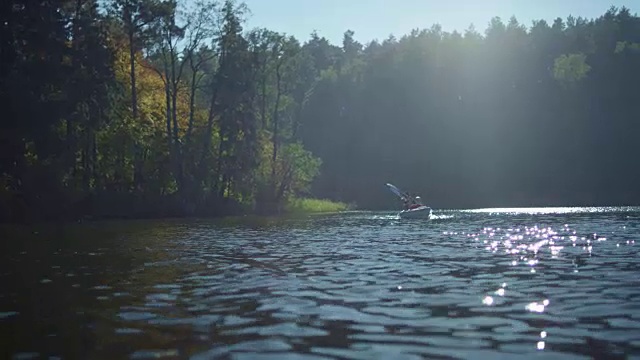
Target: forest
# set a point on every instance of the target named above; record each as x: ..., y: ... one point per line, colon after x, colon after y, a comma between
x: 164, y: 108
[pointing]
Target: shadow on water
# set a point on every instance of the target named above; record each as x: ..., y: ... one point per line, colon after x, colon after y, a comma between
x: 363, y: 285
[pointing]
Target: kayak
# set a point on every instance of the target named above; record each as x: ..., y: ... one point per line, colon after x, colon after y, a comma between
x: 417, y: 211
x: 420, y: 212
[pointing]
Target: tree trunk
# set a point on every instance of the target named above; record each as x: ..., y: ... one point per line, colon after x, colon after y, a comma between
x: 132, y: 72
x: 192, y: 104
x: 71, y: 149
x: 119, y: 173
x: 86, y: 161
x: 207, y: 135
x: 71, y: 136
x: 177, y: 156
x: 274, y: 139
x: 134, y: 100
x: 94, y: 159
x: 263, y: 110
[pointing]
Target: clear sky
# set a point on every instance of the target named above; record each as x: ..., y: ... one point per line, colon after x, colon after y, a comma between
x: 377, y: 19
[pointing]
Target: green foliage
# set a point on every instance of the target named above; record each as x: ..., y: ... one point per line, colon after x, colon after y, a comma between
x: 153, y: 107
x: 570, y: 68
x: 300, y: 168
x: 166, y: 108
x: 309, y: 205
x: 622, y: 46
x: 509, y: 118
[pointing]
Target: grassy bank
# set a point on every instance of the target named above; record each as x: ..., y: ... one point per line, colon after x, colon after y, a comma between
x: 308, y: 205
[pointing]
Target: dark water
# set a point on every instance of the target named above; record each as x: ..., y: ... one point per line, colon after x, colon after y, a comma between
x: 550, y: 283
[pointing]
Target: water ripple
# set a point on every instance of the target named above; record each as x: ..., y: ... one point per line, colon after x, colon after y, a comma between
x: 489, y: 283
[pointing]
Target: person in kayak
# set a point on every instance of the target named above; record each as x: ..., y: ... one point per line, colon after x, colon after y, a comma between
x: 406, y: 201
x: 410, y: 202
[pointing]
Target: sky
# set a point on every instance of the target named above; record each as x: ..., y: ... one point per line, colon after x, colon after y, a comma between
x: 377, y: 19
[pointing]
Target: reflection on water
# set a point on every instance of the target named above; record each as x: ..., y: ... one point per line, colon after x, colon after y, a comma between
x: 558, y: 283
x: 554, y: 210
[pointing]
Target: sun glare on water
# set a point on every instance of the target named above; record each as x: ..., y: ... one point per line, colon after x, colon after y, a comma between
x: 550, y: 210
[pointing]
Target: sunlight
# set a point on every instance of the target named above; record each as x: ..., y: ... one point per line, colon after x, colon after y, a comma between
x: 551, y: 210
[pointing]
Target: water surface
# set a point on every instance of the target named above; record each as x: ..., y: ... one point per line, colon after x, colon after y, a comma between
x: 490, y: 283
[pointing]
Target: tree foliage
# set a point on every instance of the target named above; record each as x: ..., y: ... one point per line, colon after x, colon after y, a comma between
x: 166, y: 107
x: 518, y: 116
x: 571, y: 68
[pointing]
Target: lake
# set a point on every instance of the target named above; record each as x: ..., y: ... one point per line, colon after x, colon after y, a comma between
x: 490, y: 283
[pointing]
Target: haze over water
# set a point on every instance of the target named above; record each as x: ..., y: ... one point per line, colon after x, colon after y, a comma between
x: 489, y: 283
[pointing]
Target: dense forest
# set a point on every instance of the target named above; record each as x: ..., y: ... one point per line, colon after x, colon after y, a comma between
x: 171, y: 108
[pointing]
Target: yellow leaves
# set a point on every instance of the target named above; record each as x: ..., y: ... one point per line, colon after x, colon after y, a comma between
x: 151, y: 97
x: 151, y: 93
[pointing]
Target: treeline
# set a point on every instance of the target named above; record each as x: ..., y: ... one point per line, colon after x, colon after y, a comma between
x: 546, y: 115
x: 148, y: 108
x: 170, y: 108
